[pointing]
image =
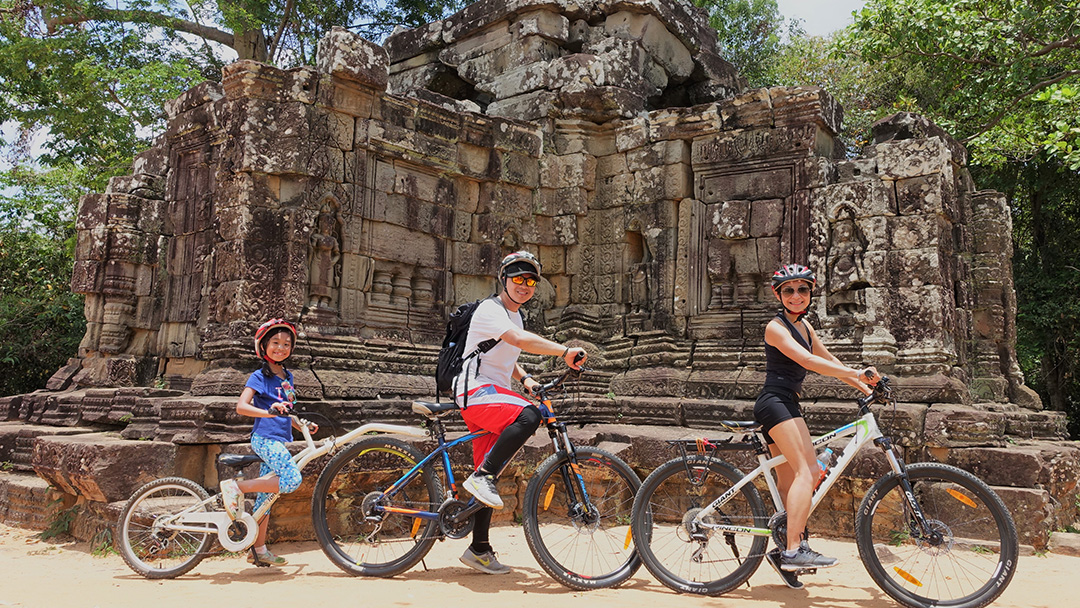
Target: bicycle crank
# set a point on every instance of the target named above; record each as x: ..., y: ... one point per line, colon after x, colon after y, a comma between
x: 451, y: 524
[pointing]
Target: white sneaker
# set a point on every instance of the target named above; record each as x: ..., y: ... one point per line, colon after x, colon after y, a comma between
x: 232, y: 498
x: 483, y: 488
x: 484, y: 562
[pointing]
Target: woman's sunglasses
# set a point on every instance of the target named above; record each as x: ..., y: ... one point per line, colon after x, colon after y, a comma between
x: 790, y: 291
x: 526, y: 281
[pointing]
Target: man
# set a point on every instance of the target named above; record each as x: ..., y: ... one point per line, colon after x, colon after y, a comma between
x: 491, y: 405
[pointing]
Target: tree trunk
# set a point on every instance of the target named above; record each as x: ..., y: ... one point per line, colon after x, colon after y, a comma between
x: 250, y: 45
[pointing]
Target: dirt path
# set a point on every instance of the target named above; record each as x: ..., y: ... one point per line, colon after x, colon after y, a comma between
x: 40, y: 574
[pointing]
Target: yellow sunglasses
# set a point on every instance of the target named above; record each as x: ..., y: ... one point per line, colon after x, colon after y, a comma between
x: 526, y: 281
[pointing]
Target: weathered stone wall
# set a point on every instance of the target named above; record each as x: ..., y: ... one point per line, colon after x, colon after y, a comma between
x: 368, y: 195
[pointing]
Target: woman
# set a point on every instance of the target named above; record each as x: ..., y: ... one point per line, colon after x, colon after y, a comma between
x: 792, y: 348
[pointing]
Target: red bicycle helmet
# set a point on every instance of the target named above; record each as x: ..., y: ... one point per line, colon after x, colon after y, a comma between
x: 265, y: 330
x: 792, y: 272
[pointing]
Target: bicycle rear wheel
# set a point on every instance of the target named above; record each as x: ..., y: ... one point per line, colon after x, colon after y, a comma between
x: 966, y: 560
x: 683, y: 556
x: 358, y: 536
x: 147, y: 542
x: 583, y: 545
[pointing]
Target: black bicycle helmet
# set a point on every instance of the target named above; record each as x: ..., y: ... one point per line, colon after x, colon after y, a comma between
x: 792, y: 272
x: 517, y: 264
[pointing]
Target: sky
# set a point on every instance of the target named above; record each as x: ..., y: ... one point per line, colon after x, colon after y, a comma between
x: 820, y: 17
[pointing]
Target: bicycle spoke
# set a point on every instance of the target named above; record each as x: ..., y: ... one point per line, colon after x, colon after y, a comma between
x: 967, y: 557
x: 349, y: 508
x: 583, y: 538
x: 678, y: 546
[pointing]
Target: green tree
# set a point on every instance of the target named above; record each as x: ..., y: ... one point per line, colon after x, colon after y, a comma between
x: 1004, y: 76
x: 752, y: 33
x: 41, y: 320
x: 83, y: 84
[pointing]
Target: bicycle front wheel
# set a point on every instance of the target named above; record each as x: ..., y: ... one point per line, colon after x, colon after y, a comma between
x: 582, y: 539
x: 149, y: 541
x: 352, y: 513
x: 693, y: 557
x: 965, y: 559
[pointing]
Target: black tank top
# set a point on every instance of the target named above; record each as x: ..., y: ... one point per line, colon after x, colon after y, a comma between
x: 780, y: 370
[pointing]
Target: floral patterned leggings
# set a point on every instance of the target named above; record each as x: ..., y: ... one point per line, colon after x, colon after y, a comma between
x: 276, y: 459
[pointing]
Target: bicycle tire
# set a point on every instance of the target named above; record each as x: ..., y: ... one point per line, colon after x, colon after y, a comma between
x: 583, y: 548
x: 153, y: 551
x: 968, y: 567
x: 669, y: 499
x: 354, y: 537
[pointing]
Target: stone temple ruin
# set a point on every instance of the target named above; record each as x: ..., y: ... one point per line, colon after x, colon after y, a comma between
x: 368, y: 195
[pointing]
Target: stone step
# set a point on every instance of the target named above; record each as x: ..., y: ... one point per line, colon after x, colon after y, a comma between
x: 28, y: 501
x: 17, y: 442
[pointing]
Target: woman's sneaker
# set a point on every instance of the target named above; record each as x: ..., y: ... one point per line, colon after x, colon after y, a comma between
x: 805, y: 557
x: 484, y: 562
x: 482, y: 486
x: 232, y: 498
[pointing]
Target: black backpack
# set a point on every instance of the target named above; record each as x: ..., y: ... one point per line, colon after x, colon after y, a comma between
x: 452, y: 355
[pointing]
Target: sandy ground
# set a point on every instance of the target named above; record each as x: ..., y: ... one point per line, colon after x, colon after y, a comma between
x: 35, y: 573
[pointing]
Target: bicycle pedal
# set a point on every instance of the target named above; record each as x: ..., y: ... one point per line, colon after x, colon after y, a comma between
x: 805, y: 571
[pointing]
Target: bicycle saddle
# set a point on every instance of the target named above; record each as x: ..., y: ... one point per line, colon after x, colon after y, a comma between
x: 433, y: 410
x: 742, y: 425
x: 238, y: 461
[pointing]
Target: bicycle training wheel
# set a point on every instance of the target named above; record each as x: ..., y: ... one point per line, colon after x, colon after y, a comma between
x: 148, y: 542
x: 358, y: 536
x: 683, y: 555
x: 969, y: 555
x: 583, y: 544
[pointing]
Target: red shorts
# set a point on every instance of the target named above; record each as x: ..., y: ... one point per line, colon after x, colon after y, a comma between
x: 491, y: 408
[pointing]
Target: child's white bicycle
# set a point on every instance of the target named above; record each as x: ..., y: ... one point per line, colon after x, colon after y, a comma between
x: 169, y: 525
x: 929, y: 534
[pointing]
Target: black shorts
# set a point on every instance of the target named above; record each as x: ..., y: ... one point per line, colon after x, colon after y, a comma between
x: 775, y: 405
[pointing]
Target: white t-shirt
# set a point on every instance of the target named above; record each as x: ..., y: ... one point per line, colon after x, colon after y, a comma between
x: 490, y: 321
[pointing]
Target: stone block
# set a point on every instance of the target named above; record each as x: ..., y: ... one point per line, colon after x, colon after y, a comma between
x: 800, y: 105
x: 518, y: 81
x: 665, y: 48
x: 751, y: 185
x: 346, y: 55
x: 1032, y: 512
x: 103, y: 468
x: 729, y: 220
x: 868, y: 198
x: 546, y: 23
x: 766, y: 217
x: 952, y: 426
x: 560, y: 201
x: 912, y: 158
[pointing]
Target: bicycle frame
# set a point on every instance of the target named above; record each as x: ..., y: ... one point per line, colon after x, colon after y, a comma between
x: 197, y: 519
x: 556, y: 430
x: 862, y: 431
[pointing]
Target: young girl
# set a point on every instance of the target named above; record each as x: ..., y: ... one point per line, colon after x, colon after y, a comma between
x: 791, y: 348
x: 268, y: 394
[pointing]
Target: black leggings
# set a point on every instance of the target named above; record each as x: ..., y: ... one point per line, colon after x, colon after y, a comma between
x: 508, y: 443
x: 511, y: 440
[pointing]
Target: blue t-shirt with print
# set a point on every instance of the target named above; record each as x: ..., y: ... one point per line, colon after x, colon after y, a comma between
x: 268, y: 391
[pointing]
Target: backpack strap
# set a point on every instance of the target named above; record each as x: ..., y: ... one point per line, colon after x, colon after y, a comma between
x: 481, y: 348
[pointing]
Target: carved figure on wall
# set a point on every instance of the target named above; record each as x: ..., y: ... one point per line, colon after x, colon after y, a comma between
x: 846, y: 273
x: 721, y: 270
x: 639, y: 262
x: 325, y: 259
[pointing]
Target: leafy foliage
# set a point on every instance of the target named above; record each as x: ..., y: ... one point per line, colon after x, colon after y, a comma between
x: 40, y: 318
x: 751, y: 35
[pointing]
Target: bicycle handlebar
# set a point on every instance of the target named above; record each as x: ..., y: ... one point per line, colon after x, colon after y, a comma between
x: 882, y: 393
x: 542, y: 390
